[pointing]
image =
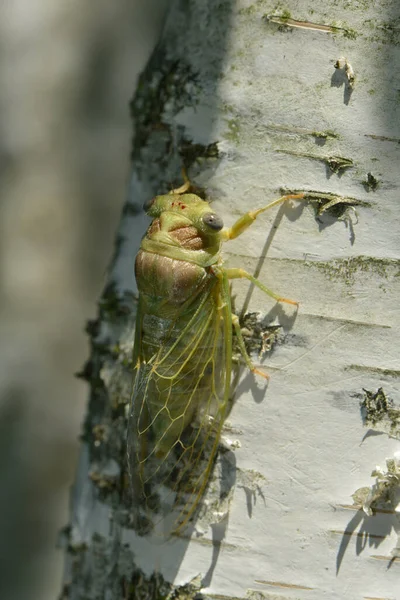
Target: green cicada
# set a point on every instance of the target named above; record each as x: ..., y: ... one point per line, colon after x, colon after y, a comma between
x: 182, y: 354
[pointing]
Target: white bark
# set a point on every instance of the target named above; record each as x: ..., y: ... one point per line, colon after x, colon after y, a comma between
x: 260, y: 85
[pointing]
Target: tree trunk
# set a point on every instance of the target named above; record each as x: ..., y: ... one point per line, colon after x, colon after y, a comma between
x: 254, y: 100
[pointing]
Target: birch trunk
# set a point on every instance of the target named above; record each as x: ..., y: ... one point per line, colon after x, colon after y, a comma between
x: 253, y: 99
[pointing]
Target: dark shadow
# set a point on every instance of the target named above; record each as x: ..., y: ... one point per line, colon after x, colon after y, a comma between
x: 256, y: 385
x: 344, y: 214
x: 283, y: 314
x: 320, y: 141
x: 373, y: 531
x: 228, y: 480
x: 292, y: 210
x: 339, y: 79
x: 350, y: 529
x: 251, y: 498
x: 372, y: 433
x: 352, y: 233
x: 218, y: 534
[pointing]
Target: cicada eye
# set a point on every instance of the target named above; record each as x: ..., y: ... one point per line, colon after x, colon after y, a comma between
x: 213, y: 221
x: 148, y: 204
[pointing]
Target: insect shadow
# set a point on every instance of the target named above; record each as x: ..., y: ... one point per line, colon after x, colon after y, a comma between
x: 373, y: 531
x: 340, y: 79
x: 292, y: 213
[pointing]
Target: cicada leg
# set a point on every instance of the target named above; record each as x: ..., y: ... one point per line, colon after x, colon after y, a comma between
x: 247, y: 219
x: 237, y: 273
x: 232, y: 319
x: 247, y: 359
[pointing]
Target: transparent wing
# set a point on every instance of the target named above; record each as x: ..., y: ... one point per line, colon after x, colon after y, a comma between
x: 179, y: 402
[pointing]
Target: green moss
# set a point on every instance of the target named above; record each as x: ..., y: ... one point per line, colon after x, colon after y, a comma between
x: 233, y: 133
x: 375, y: 371
x: 388, y: 32
x: 343, y: 29
x: 346, y: 269
x: 285, y: 15
x: 327, y: 134
x: 349, y: 33
x: 335, y: 163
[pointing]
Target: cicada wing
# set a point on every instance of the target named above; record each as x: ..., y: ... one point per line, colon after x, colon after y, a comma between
x: 212, y: 415
x: 136, y: 446
x: 178, y: 407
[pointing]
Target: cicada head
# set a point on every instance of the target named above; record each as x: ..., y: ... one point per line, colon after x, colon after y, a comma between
x: 185, y: 220
x: 187, y: 207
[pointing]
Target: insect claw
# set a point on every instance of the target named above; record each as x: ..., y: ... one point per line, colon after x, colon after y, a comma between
x: 262, y: 374
x: 287, y: 301
x: 230, y: 444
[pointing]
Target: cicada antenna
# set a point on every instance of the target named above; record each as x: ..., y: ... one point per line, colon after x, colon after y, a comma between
x: 185, y: 186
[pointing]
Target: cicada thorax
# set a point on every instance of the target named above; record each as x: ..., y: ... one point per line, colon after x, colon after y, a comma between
x: 168, y: 284
x: 180, y: 355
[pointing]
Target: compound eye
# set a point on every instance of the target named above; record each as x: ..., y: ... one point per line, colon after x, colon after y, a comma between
x: 213, y: 221
x: 148, y: 204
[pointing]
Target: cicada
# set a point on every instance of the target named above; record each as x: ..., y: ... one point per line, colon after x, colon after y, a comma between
x: 182, y: 354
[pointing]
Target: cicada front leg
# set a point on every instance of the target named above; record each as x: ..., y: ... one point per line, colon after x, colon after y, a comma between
x: 248, y: 218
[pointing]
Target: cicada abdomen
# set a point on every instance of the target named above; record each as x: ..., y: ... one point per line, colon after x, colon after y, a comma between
x: 182, y: 357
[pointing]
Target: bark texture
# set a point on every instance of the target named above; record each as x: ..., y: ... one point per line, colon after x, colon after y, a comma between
x: 254, y: 98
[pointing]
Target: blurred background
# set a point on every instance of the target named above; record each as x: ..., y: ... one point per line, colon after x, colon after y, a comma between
x: 67, y: 72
